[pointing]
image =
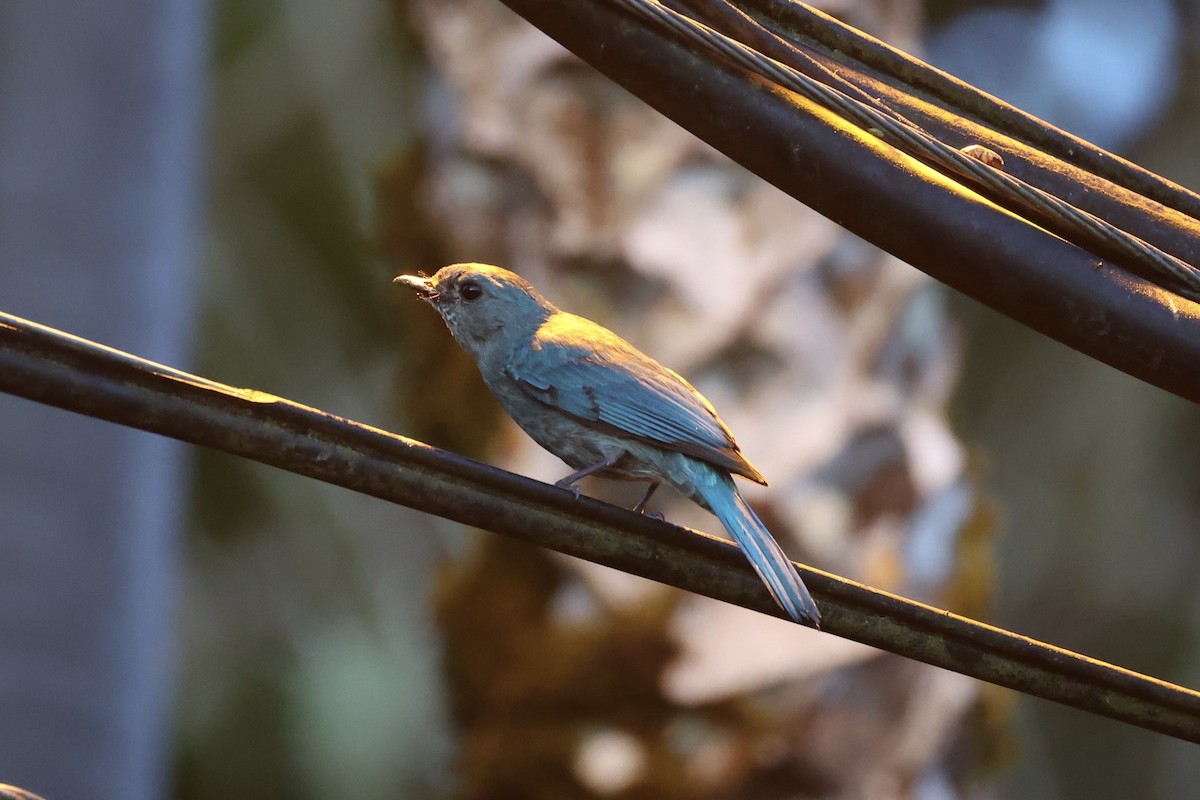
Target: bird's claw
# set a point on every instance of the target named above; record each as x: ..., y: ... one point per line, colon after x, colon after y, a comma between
x: 640, y: 508
x: 573, y: 488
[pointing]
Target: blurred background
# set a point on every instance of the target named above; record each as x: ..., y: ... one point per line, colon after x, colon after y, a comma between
x: 229, y: 187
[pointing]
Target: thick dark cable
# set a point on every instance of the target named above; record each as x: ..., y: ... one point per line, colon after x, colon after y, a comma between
x: 791, y: 19
x: 52, y: 367
x: 1180, y: 277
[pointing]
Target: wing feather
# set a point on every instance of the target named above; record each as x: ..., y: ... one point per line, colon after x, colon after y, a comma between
x: 589, y: 372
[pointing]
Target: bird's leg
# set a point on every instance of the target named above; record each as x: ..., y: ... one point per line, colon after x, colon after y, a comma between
x: 641, y: 504
x: 571, y: 480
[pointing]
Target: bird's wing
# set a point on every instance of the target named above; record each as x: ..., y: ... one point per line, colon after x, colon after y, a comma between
x: 592, y: 374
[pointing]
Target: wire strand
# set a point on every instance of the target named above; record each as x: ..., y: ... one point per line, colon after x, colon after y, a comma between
x: 1180, y: 276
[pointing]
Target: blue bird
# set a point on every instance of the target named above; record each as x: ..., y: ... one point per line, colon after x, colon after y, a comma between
x: 605, y: 408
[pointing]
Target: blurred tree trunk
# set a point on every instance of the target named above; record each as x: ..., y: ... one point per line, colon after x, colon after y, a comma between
x: 831, y: 362
x: 98, y: 188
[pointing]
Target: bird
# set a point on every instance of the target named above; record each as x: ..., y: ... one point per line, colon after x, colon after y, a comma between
x: 605, y: 408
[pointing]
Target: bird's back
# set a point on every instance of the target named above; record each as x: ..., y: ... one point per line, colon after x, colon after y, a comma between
x: 592, y: 374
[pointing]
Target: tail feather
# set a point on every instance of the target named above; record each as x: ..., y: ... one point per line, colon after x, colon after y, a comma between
x: 764, y: 553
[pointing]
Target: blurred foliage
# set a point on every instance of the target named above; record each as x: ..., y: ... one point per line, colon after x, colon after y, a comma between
x: 238, y: 25
x: 244, y: 754
x: 938, y: 12
x: 298, y: 176
x: 306, y: 658
x: 516, y: 674
x: 437, y: 387
x: 304, y: 604
x: 533, y: 677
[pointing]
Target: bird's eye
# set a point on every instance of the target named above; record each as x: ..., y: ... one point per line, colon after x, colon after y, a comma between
x: 470, y: 291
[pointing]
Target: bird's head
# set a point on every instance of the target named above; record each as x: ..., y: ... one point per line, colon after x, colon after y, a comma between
x: 481, y: 303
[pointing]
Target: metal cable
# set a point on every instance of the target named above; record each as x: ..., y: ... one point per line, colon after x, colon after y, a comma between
x: 1184, y: 278
x: 58, y: 369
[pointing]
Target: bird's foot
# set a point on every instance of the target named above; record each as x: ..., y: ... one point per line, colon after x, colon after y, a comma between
x: 641, y: 504
x: 573, y: 488
x: 641, y: 509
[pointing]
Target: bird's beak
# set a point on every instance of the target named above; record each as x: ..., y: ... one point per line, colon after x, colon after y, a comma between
x: 422, y: 286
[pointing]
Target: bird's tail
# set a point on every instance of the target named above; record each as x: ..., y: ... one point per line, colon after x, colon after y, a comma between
x: 721, y: 497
